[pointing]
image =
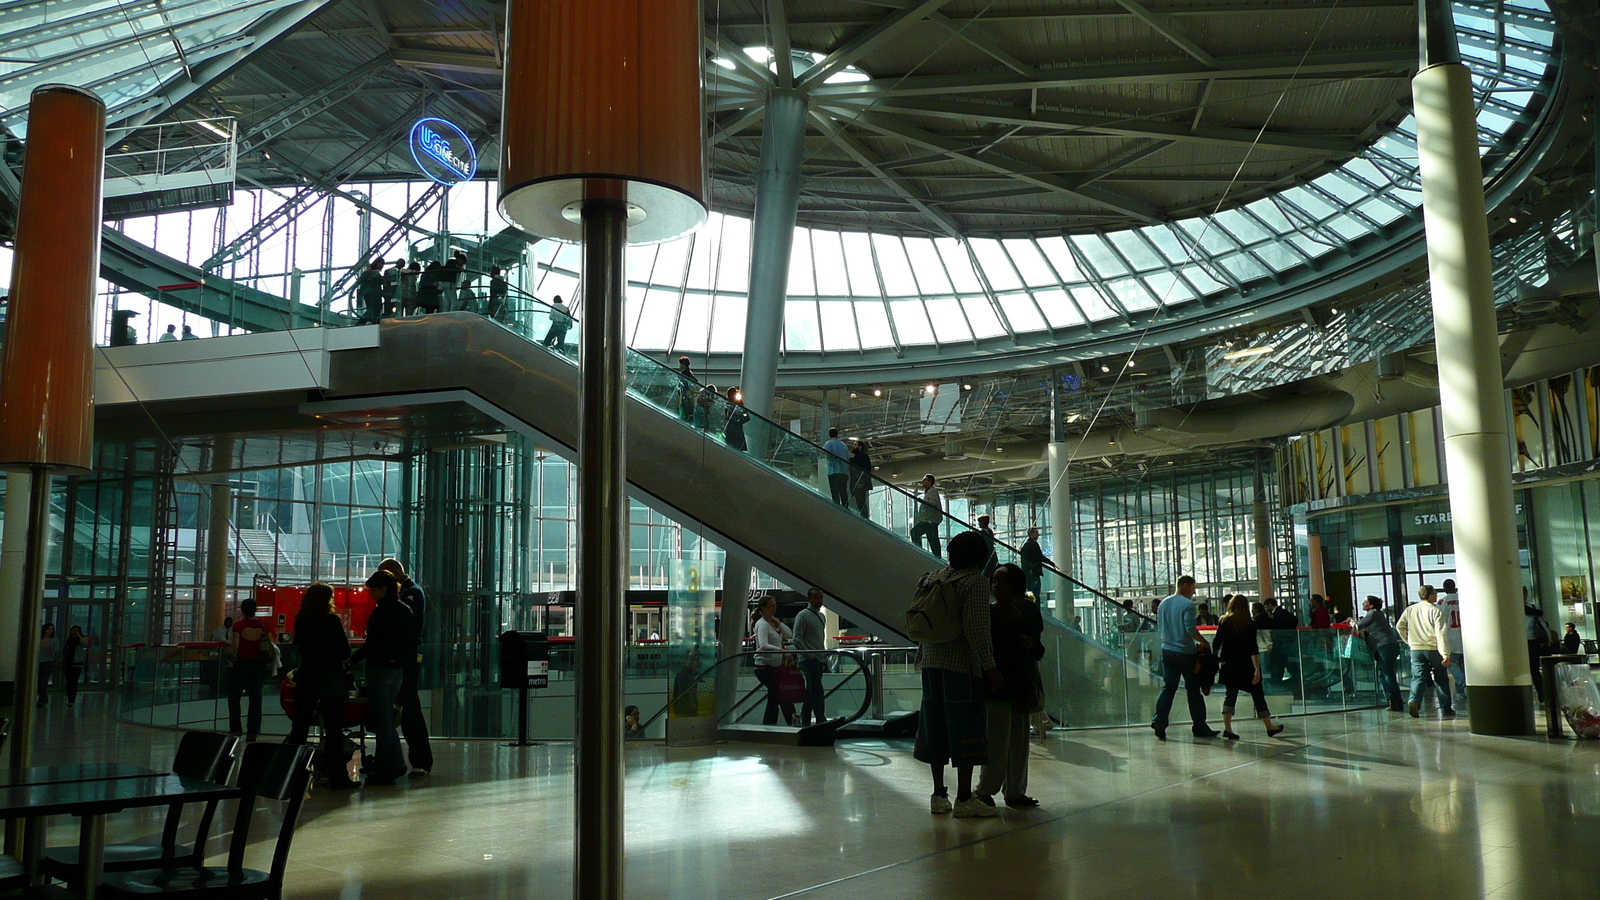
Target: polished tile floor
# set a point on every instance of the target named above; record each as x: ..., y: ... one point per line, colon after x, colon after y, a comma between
x: 1368, y: 805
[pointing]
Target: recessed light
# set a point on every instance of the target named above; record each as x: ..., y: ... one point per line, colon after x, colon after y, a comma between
x: 930, y: 389
x: 877, y: 392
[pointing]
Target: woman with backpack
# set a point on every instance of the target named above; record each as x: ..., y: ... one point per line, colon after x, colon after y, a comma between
x: 772, y: 639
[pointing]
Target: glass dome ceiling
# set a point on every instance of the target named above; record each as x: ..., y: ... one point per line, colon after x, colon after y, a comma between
x: 127, y: 51
x: 851, y: 292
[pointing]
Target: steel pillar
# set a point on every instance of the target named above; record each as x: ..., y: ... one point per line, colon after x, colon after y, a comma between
x: 1059, y: 453
x: 783, y: 136
x: 602, y: 558
x: 1472, y: 398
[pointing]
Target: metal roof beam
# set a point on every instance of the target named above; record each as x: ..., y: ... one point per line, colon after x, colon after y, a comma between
x: 970, y: 31
x: 782, y: 55
x: 1320, y: 64
x: 1161, y: 26
x: 859, y: 153
x: 1089, y: 125
x: 447, y: 60
x: 867, y: 40
x: 1110, y: 11
x: 1007, y: 165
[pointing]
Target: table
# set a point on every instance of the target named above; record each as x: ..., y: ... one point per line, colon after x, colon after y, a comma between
x: 91, y: 801
x: 63, y: 774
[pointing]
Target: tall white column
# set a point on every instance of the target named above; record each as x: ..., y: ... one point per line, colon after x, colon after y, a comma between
x: 783, y: 147
x: 1059, y: 454
x: 1472, y: 398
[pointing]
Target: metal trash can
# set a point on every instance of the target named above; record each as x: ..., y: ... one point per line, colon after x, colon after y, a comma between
x: 1552, y: 702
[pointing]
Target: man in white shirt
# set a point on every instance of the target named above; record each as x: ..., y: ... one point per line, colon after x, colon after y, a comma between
x: 171, y: 335
x: 929, y: 515
x: 838, y: 468
x: 811, y: 633
x: 1424, y: 628
x: 1450, y: 606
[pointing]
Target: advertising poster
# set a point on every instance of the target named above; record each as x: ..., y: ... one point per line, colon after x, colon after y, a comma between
x: 691, y: 632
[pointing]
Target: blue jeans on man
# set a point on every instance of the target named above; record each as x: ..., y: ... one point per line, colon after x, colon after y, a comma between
x: 1428, y: 669
x: 383, y: 690
x: 1173, y: 667
x: 812, y: 710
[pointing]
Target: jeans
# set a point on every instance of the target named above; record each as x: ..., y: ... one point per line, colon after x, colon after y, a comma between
x: 1388, y: 658
x: 72, y: 673
x: 246, y: 678
x: 1035, y: 584
x: 839, y: 486
x: 929, y: 530
x: 45, y: 668
x: 1007, y: 768
x: 324, y: 703
x: 861, y: 504
x: 1428, y: 669
x: 383, y: 689
x: 1173, y: 667
x: 413, y: 724
x: 1536, y: 651
x: 811, y: 668
x: 769, y: 677
x: 1458, y: 676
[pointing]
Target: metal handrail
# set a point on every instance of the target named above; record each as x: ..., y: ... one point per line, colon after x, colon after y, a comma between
x: 853, y: 653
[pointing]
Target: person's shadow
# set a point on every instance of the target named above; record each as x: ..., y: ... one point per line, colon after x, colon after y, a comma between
x: 1088, y: 757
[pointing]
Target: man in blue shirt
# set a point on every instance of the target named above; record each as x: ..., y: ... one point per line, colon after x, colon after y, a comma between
x: 838, y: 468
x: 1181, y: 644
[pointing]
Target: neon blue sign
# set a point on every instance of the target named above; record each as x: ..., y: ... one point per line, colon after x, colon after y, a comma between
x: 443, y: 151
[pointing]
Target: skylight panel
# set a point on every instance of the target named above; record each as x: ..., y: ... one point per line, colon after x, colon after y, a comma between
x: 996, y: 267
x: 911, y: 322
x: 957, y: 263
x: 733, y: 254
x: 893, y: 267
x: 1093, y: 305
x: 838, y: 325
x: 927, y: 267
x: 802, y: 277
x: 981, y: 315
x: 1021, y: 313
x: 872, y: 321
x: 694, y: 324
x: 1034, y: 270
x: 949, y: 323
x: 800, y: 332
x: 1055, y: 250
x: 1058, y: 308
x: 858, y: 260
x: 727, y: 323
x: 829, y: 261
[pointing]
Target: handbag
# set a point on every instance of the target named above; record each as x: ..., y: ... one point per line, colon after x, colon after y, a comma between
x: 788, y: 684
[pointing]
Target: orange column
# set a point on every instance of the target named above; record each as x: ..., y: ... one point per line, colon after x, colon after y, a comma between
x: 47, y: 387
x: 47, y: 376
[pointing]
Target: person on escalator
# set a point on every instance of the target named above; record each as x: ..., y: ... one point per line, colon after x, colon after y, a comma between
x: 703, y: 405
x: 733, y: 430
x: 861, y: 476
x: 369, y: 291
x: 929, y: 515
x: 688, y: 389
x: 429, y: 288
x: 1032, y: 560
x: 772, y: 638
x: 560, y: 320
x: 408, y: 288
x: 497, y: 295
x: 989, y: 538
x: 391, y: 287
x: 466, y: 297
x: 839, y: 469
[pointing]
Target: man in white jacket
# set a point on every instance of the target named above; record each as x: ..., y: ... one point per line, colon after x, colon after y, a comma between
x: 1424, y: 628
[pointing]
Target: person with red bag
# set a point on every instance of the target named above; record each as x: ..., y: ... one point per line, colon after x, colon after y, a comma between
x: 772, y: 639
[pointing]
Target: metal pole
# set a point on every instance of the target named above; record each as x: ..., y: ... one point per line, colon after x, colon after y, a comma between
x: 1472, y: 394
x: 27, y: 630
x: 1262, y: 521
x: 602, y: 558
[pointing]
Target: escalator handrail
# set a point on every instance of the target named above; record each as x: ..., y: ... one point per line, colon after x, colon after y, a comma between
x: 853, y: 653
x: 911, y: 497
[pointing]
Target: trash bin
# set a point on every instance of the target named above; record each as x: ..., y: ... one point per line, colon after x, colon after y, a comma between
x: 1552, y: 699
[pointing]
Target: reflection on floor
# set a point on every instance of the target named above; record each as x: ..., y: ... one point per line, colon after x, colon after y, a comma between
x: 1355, y: 805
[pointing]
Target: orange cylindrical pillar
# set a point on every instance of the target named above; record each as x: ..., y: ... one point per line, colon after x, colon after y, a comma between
x: 603, y: 90
x: 47, y: 385
x: 47, y: 377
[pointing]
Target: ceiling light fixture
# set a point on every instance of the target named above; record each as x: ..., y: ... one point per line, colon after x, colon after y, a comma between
x: 930, y: 389
x: 1249, y: 351
x: 877, y: 392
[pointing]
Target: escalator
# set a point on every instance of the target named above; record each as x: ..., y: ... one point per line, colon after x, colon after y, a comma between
x: 769, y: 502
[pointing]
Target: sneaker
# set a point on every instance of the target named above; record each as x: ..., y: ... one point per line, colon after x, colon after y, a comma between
x: 1448, y: 714
x: 939, y: 804
x: 1414, y: 708
x: 974, y: 808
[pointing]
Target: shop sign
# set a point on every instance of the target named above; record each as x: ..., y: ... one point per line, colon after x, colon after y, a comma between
x: 443, y: 152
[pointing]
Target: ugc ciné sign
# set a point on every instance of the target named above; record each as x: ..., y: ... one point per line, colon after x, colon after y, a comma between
x: 443, y: 151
